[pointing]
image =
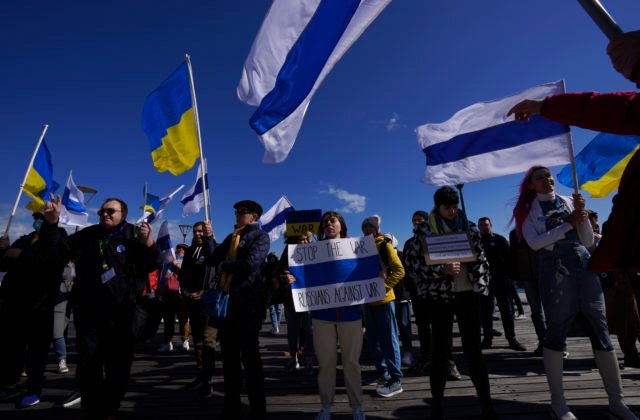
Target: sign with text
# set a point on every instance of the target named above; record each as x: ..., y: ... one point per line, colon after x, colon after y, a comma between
x: 300, y: 222
x: 335, y: 273
x: 450, y: 247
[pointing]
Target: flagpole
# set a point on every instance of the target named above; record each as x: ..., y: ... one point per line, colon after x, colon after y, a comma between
x: 205, y: 191
x: 144, y: 205
x: 574, y: 171
x: 459, y: 187
x: 24, y: 181
x: 602, y: 18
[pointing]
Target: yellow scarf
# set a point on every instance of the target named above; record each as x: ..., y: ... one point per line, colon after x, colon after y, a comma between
x: 225, y: 278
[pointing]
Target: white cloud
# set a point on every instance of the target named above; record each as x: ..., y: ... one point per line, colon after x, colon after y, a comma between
x: 393, y: 122
x: 355, y: 203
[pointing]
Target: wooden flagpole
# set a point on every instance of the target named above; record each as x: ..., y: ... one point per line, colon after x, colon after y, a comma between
x: 205, y: 191
x: 24, y: 181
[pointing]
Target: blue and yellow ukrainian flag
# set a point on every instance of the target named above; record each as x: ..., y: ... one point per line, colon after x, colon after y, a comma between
x: 168, y: 121
x: 601, y: 163
x: 40, y: 181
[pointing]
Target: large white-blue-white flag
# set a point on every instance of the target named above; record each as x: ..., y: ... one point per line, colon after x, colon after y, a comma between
x: 481, y: 142
x: 274, y: 220
x: 335, y: 273
x: 193, y: 199
x: 167, y: 254
x: 155, y: 208
x: 73, y: 212
x: 297, y: 46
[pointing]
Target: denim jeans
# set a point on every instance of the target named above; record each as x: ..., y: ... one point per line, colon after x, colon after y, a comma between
x: 275, y: 312
x: 532, y: 290
x: 403, y: 319
x: 567, y: 287
x: 382, y: 334
x: 295, y: 320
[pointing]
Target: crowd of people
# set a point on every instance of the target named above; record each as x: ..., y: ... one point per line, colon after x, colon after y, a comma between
x: 556, y: 252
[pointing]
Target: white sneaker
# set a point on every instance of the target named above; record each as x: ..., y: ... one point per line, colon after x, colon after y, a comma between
x: 407, y: 358
x: 62, y: 366
x: 185, y: 345
x: 324, y: 414
x: 358, y: 414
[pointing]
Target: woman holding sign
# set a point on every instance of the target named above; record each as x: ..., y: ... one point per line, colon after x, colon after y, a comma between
x: 557, y: 227
x: 452, y: 288
x: 343, y: 324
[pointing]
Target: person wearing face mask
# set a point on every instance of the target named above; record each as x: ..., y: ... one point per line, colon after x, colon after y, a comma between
x: 33, y: 266
x: 454, y: 288
x: 557, y: 227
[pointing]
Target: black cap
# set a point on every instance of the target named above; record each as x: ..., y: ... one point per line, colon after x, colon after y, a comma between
x: 250, y: 205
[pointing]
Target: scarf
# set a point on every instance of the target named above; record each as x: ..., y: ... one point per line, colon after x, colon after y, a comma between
x: 225, y: 280
x: 440, y: 225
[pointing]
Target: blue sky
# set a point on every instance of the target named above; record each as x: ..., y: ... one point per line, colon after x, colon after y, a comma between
x: 85, y: 69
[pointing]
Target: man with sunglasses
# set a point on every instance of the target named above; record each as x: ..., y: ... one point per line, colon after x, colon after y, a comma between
x: 113, y: 259
x: 238, y: 261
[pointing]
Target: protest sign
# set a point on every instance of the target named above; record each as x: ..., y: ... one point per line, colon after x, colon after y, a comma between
x: 300, y: 222
x: 451, y: 247
x: 335, y: 273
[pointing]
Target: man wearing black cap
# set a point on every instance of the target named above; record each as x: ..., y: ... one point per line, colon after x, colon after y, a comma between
x: 238, y: 261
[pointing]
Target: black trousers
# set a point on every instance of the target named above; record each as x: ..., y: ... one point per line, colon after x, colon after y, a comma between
x: 28, y: 338
x: 466, y: 307
x: 423, y: 323
x: 105, y: 354
x: 505, y: 305
x: 240, y: 347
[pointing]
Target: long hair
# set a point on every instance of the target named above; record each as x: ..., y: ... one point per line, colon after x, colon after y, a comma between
x: 328, y: 215
x: 525, y: 198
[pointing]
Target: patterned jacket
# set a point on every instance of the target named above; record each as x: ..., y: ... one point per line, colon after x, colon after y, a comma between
x: 431, y: 281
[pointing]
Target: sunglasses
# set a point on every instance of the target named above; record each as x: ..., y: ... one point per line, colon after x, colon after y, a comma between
x: 242, y: 212
x: 108, y: 211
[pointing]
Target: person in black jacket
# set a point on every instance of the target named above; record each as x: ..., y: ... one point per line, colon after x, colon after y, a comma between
x: 33, y: 266
x: 195, y: 278
x: 112, y: 258
x: 238, y: 261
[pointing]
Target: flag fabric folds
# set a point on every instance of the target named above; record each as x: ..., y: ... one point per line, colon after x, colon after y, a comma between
x: 297, y: 46
x: 193, y: 199
x: 600, y: 164
x: 73, y: 212
x: 168, y: 121
x: 40, y: 181
x: 167, y: 254
x: 480, y: 141
x: 154, y: 208
x: 273, y: 221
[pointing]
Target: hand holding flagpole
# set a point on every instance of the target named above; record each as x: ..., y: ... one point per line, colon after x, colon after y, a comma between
x: 24, y: 181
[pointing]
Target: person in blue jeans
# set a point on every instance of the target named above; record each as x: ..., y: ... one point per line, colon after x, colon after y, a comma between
x: 557, y: 227
x: 380, y: 316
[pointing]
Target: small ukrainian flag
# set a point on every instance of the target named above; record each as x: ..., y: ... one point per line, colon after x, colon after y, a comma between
x: 40, y: 181
x: 600, y: 164
x: 169, y: 123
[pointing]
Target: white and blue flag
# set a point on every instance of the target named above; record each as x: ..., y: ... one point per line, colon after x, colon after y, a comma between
x: 335, y: 273
x: 73, y: 212
x: 274, y: 220
x: 481, y: 142
x: 155, y: 208
x: 167, y: 253
x: 297, y: 46
x: 193, y: 199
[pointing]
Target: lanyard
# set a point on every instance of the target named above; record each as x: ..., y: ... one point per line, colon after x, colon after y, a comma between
x: 104, y: 243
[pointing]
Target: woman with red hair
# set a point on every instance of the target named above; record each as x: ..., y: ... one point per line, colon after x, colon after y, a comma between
x: 558, y: 228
